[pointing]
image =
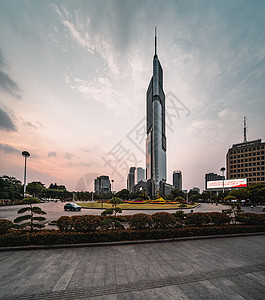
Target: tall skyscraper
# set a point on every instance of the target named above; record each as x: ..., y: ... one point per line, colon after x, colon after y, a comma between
x: 177, y: 180
x: 140, y: 174
x: 102, y: 185
x: 156, y: 136
x: 131, y: 179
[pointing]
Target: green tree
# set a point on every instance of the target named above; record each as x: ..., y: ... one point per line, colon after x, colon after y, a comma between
x: 123, y: 194
x: 255, y: 194
x: 35, y: 188
x: 10, y: 188
x: 115, y: 201
x: 180, y: 199
x: 178, y: 193
x: 30, y: 218
x: 240, y: 194
x: 229, y: 198
x: 57, y: 187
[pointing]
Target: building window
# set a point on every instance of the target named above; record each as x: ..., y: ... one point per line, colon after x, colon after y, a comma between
x: 262, y: 168
x: 258, y: 179
x: 262, y: 178
x: 254, y: 174
x: 249, y: 179
x: 258, y: 163
x: 254, y: 169
x: 254, y: 164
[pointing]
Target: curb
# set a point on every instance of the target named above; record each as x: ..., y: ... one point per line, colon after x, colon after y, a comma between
x: 46, y: 247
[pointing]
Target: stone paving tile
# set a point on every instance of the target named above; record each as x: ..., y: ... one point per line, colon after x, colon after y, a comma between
x: 202, y: 269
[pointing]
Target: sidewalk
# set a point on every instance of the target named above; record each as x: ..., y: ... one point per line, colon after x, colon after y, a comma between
x: 220, y: 268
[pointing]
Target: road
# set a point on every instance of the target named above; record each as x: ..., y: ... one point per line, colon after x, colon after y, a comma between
x: 56, y: 210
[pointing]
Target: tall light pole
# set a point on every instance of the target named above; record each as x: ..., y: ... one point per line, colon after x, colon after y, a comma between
x: 223, y: 170
x: 112, y: 181
x: 25, y: 154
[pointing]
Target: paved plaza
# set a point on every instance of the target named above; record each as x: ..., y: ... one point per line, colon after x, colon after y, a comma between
x: 221, y: 268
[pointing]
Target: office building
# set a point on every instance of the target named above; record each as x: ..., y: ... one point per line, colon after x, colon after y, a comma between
x: 102, y: 185
x: 212, y: 177
x: 131, y: 179
x: 140, y: 174
x: 195, y: 189
x: 155, y: 129
x: 246, y: 160
x: 177, y: 180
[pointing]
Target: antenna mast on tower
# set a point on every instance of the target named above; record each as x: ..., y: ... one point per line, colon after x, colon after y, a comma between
x: 245, y: 129
x: 155, y: 40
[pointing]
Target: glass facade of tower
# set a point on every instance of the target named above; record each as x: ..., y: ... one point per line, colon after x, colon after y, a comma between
x: 156, y: 137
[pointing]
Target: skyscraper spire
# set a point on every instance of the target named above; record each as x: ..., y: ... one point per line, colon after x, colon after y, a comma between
x: 155, y: 40
x: 245, y: 129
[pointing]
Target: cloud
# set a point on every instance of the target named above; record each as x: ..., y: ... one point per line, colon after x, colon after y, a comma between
x: 30, y: 124
x: 52, y: 154
x: 68, y: 155
x: 6, y: 122
x: 8, y: 149
x: 7, y: 84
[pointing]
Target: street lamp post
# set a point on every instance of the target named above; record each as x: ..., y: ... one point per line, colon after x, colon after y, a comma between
x: 112, y: 186
x: 26, y: 155
x: 223, y: 170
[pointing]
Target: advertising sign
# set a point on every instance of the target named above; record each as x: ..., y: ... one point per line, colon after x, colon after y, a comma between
x: 231, y: 183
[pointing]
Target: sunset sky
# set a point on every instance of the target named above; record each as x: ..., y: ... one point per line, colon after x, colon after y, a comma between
x: 74, y: 74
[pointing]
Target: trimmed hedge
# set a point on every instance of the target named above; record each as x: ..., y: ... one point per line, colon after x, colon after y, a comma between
x: 140, y: 221
x: 5, y: 225
x: 251, y: 218
x: 197, y: 219
x: 163, y: 220
x: 51, y: 237
x: 86, y: 223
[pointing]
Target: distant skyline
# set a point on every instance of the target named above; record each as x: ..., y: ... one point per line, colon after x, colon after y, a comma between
x: 73, y: 77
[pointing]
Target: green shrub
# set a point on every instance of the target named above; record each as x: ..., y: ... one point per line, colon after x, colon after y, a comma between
x: 51, y: 237
x: 197, y: 219
x: 250, y: 218
x: 122, y: 219
x: 179, y: 216
x: 140, y: 221
x: 163, y: 220
x: 106, y: 223
x: 219, y: 218
x: 65, y: 223
x: 5, y: 225
x: 86, y: 223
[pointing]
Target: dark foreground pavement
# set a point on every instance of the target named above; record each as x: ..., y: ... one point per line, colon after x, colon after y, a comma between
x: 225, y: 268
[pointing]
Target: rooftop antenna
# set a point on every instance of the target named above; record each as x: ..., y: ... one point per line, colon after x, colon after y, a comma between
x: 245, y: 129
x: 155, y: 40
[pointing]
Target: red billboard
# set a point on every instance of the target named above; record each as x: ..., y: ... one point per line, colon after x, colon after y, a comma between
x: 231, y: 183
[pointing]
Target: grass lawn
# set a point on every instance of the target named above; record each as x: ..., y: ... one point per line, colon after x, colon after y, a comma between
x: 133, y: 206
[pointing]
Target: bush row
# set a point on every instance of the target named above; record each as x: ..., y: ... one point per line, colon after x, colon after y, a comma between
x: 52, y: 237
x: 159, y: 220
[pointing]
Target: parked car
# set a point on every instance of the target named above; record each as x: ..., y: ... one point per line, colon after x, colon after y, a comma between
x: 72, y: 206
x: 263, y: 208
